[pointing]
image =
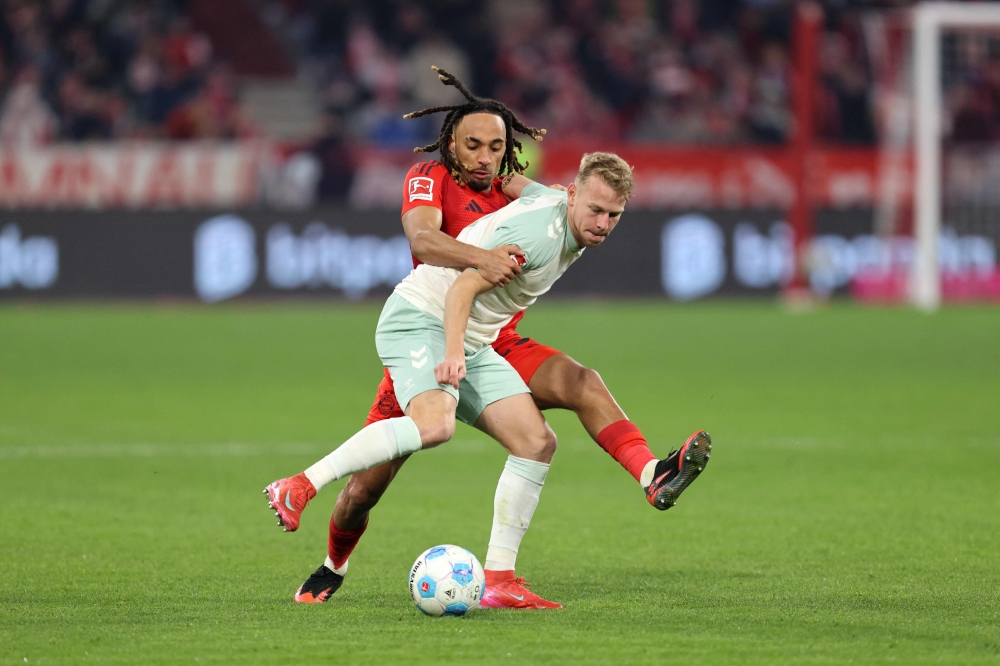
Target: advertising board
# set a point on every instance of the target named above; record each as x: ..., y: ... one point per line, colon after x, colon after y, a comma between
x: 338, y: 252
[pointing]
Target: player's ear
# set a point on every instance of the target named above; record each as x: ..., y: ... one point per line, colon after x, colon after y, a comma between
x: 571, y: 193
x: 451, y: 144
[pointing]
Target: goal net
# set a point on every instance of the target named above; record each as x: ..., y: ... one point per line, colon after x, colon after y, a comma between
x: 936, y: 75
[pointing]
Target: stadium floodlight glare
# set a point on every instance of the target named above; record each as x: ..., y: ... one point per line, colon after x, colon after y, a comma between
x: 930, y: 21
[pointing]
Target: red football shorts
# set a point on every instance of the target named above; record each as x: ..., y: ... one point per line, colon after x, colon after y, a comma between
x: 386, y: 406
x: 524, y: 354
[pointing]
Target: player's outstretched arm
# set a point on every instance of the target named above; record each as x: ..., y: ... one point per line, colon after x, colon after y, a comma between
x: 457, y: 306
x: 515, y: 186
x: 432, y: 246
x: 512, y: 188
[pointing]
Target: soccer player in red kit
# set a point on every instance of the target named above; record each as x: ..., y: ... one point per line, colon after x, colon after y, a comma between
x: 440, y: 199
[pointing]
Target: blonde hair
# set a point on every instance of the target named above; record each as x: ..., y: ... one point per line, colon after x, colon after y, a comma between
x: 612, y: 169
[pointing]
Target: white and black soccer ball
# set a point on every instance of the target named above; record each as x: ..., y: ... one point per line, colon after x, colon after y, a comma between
x: 447, y: 580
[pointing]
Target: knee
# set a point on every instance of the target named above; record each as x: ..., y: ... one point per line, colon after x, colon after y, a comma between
x: 549, y: 442
x: 587, y: 387
x: 436, y: 430
x: 543, y: 445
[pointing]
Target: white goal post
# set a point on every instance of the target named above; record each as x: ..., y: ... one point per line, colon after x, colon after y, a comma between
x: 930, y: 21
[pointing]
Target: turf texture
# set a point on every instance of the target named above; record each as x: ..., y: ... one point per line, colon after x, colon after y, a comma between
x: 850, y: 513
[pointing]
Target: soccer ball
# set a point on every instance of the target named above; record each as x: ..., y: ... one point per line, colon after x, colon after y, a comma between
x: 447, y: 580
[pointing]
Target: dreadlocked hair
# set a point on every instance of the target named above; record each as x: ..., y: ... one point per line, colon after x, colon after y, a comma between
x: 510, y: 163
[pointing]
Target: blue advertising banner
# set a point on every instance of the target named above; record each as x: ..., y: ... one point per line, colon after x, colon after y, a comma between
x: 338, y: 252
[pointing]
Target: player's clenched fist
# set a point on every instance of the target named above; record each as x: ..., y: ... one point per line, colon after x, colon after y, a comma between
x: 450, y: 372
x: 499, y: 265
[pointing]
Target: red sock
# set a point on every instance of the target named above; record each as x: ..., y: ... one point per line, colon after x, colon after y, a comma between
x: 495, y: 577
x: 625, y: 443
x: 341, y: 543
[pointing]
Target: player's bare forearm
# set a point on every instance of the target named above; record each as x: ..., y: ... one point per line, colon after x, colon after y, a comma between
x: 443, y: 250
x: 432, y: 246
x: 513, y: 189
x: 457, y: 306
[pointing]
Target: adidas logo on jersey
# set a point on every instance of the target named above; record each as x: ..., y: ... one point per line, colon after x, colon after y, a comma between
x: 474, y: 207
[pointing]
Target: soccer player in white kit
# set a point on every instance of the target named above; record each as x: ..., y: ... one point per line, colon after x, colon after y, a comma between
x: 434, y: 336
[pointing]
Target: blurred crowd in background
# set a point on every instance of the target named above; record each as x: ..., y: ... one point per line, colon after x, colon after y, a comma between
x: 77, y: 70
x: 708, y: 71
x: 972, y: 65
x: 676, y: 71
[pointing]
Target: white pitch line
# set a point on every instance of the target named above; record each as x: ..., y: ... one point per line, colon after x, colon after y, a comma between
x: 232, y: 450
x: 156, y: 450
x: 573, y: 446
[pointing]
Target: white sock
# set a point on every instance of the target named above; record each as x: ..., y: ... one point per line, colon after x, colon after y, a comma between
x: 378, y: 443
x: 646, y: 477
x: 329, y: 565
x: 515, y: 502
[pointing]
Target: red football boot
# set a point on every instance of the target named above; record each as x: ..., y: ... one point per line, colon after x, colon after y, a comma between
x: 512, y: 593
x: 289, y: 497
x: 676, y: 472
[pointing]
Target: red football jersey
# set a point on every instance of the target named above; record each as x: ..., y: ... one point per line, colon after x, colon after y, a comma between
x: 430, y: 184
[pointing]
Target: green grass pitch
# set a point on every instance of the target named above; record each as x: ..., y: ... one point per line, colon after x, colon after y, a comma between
x: 850, y: 513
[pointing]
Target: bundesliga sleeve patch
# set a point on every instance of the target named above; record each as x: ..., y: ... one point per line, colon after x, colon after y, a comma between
x: 421, y: 188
